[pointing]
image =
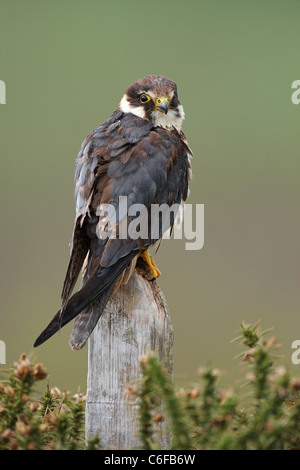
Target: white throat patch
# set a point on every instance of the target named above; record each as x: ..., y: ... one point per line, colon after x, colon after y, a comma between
x: 171, y: 119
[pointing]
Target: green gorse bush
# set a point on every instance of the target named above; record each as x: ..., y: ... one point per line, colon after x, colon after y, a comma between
x: 204, y: 416
x: 54, y: 421
x: 209, y: 417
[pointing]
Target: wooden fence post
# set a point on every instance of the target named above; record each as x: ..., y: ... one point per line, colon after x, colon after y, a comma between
x: 135, y: 321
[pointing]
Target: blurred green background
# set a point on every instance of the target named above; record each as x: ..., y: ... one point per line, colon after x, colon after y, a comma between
x: 66, y: 65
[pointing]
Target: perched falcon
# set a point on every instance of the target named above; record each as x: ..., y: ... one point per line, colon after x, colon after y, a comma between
x: 140, y: 152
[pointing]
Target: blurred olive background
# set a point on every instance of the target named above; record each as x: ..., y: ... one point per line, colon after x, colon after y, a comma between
x: 66, y: 65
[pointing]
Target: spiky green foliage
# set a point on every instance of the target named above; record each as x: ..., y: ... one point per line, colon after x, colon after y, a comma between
x: 202, y: 417
x: 208, y: 417
x: 54, y: 421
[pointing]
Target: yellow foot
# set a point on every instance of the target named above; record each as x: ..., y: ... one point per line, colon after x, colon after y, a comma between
x: 151, y: 265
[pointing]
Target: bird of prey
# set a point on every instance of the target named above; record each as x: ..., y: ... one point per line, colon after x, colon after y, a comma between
x: 140, y: 153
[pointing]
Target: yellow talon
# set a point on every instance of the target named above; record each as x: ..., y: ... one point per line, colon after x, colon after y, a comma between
x: 151, y: 265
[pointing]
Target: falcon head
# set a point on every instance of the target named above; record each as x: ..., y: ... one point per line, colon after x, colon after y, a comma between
x: 154, y: 98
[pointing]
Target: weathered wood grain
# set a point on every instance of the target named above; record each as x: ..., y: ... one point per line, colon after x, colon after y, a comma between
x: 135, y: 321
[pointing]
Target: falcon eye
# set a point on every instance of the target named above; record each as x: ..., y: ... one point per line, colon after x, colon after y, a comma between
x: 144, y: 98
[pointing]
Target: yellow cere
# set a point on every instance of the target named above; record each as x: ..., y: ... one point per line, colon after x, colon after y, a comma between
x: 161, y: 100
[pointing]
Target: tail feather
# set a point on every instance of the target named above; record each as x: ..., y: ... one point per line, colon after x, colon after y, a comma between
x: 100, y: 284
x: 86, y: 321
x: 78, y: 254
